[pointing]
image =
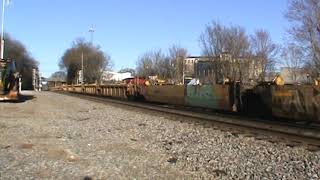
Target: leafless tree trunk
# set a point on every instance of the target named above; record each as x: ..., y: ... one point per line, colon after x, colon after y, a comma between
x: 145, y: 65
x: 213, y: 43
x: 177, y: 55
x: 238, y: 46
x: 304, y: 16
x: 293, y: 60
x: 265, y: 51
x: 154, y: 63
x: 164, y: 65
x: 219, y: 40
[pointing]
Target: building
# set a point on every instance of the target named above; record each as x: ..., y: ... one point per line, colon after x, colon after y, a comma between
x: 206, y: 68
x: 114, y: 76
x: 36, y: 80
x: 189, y: 66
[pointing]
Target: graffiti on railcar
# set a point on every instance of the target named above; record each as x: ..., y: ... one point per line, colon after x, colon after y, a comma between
x: 316, y: 102
x: 300, y: 102
x: 209, y: 96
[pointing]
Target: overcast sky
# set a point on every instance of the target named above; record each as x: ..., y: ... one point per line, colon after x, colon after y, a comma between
x: 126, y: 29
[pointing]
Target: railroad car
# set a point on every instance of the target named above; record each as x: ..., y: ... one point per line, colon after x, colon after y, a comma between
x: 9, y: 80
x: 296, y: 102
x: 169, y: 94
x: 134, y: 88
x: 111, y: 90
x: 218, y: 97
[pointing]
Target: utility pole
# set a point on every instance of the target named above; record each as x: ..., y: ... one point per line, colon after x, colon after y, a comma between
x: 2, y: 29
x: 82, y: 81
x: 91, y: 31
x: 183, y: 70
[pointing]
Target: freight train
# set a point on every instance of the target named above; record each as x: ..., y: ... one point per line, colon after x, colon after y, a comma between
x: 9, y: 80
x: 294, y: 102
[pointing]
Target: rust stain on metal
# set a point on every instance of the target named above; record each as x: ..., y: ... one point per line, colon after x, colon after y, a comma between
x: 283, y: 94
x: 173, y: 94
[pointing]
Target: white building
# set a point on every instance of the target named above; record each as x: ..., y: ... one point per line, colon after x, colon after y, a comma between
x: 114, y: 76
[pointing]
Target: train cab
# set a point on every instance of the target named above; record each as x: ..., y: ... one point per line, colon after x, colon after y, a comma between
x: 9, y: 80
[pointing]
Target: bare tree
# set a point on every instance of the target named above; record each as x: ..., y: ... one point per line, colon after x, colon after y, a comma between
x: 265, y: 51
x: 155, y: 63
x: 293, y: 60
x: 152, y: 63
x: 213, y: 40
x: 161, y: 64
x: 177, y: 55
x: 218, y: 39
x: 304, y: 16
x: 238, y: 46
x: 145, y: 65
x: 213, y: 44
x: 95, y: 61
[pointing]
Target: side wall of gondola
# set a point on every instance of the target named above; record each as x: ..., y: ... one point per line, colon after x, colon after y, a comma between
x: 295, y: 102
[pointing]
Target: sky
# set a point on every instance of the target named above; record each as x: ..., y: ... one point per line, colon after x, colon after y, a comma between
x: 125, y: 29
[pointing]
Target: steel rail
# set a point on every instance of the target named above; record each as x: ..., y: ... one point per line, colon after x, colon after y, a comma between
x: 283, y: 128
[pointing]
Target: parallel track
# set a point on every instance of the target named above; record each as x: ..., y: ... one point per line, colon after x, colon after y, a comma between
x: 295, y: 132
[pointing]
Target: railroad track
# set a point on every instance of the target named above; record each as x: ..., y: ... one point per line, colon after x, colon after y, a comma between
x: 289, y: 133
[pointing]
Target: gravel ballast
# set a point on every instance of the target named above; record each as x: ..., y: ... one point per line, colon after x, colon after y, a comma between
x: 54, y: 136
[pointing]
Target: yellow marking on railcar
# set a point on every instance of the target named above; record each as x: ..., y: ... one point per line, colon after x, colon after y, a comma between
x: 283, y: 94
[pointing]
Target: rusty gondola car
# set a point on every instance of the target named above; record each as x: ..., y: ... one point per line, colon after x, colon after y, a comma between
x: 296, y: 102
x: 168, y: 94
x: 218, y: 97
x: 222, y: 97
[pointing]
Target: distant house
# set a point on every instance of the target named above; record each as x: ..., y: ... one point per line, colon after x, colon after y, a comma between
x: 114, y: 76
